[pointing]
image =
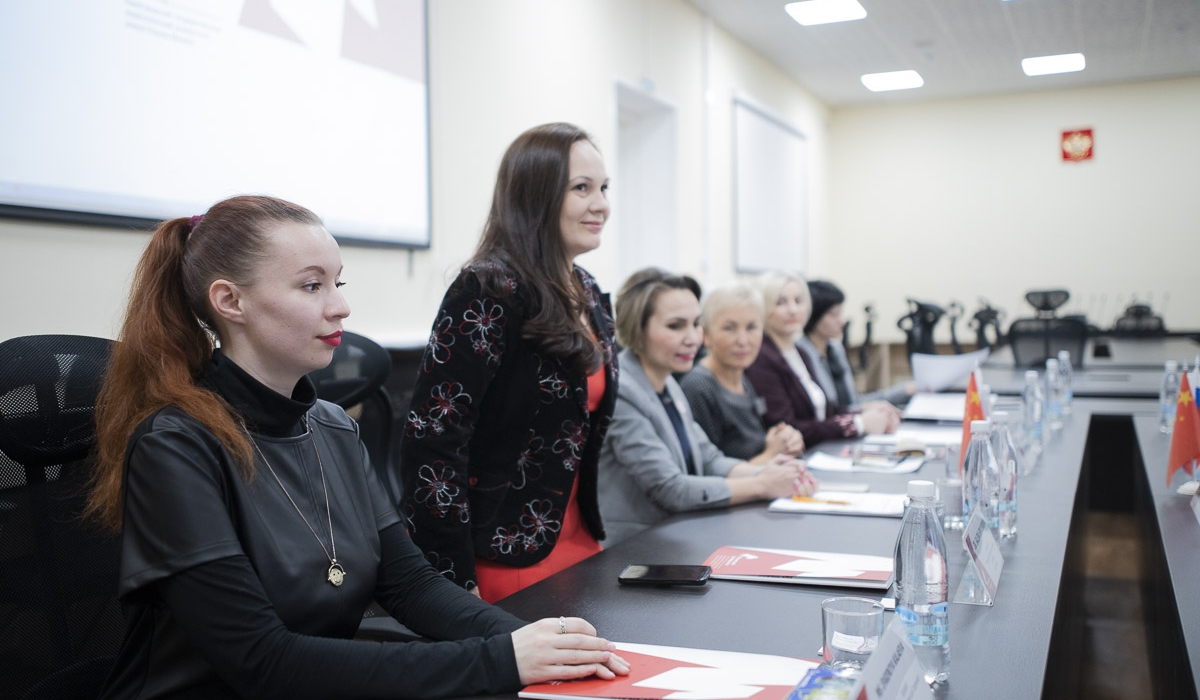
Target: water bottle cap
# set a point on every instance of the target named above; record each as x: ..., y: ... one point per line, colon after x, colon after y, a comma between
x: 1171, y: 365
x: 979, y: 426
x: 1030, y: 374
x: 1051, y: 365
x: 1064, y: 355
x: 919, y: 488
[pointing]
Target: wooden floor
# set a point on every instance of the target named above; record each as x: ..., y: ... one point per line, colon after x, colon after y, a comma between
x: 1116, y: 662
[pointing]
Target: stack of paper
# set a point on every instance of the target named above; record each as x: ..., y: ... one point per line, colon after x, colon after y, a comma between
x: 676, y: 672
x: 794, y: 566
x: 823, y: 461
x: 884, y: 505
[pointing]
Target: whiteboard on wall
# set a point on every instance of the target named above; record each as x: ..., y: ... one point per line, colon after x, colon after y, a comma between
x: 133, y: 111
x: 770, y: 191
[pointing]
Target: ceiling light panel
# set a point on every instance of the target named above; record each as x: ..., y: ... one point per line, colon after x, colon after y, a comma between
x: 1049, y: 65
x: 894, y: 80
x: 812, y: 12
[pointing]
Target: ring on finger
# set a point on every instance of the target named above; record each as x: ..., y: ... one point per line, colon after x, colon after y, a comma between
x: 562, y: 625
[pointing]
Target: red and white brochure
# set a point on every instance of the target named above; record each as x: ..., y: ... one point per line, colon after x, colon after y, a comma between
x: 677, y: 673
x: 800, y: 567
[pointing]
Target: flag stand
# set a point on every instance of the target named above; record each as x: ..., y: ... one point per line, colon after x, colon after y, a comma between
x: 1190, y: 488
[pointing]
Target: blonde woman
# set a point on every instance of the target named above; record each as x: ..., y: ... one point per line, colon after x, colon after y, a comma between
x: 723, y: 401
x: 785, y: 378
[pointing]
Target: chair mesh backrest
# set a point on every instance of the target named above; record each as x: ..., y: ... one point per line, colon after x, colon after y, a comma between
x: 1034, y: 340
x: 360, y: 366
x: 1140, y: 324
x: 60, y: 623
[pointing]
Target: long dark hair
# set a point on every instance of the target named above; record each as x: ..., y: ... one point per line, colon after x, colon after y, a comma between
x: 522, y: 238
x: 167, y: 336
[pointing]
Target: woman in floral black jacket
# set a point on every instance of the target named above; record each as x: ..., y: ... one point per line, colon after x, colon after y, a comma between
x: 518, y: 381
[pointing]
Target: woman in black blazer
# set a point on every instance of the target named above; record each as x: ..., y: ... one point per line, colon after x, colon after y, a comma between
x: 783, y: 377
x: 518, y: 381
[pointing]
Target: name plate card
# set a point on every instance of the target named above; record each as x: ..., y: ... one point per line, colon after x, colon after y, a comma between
x: 982, y: 578
x: 893, y: 672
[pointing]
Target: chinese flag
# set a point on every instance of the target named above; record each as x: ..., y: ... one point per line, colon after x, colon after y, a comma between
x: 1185, y: 438
x: 974, y: 411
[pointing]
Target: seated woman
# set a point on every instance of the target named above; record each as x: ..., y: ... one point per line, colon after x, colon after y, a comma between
x: 253, y: 531
x: 821, y: 344
x: 656, y: 461
x: 722, y: 400
x: 784, y: 378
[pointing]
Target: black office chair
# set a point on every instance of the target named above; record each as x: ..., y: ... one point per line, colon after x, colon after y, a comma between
x: 987, y: 317
x: 918, y: 325
x: 864, y: 350
x: 1140, y: 321
x: 954, y: 312
x: 1034, y: 340
x: 60, y: 623
x: 356, y: 377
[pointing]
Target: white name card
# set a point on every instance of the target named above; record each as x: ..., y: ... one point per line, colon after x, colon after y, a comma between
x: 893, y: 672
x: 982, y: 577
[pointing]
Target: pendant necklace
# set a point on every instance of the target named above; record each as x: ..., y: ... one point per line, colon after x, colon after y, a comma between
x: 336, y: 574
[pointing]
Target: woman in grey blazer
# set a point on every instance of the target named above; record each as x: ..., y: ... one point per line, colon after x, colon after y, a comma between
x: 656, y: 460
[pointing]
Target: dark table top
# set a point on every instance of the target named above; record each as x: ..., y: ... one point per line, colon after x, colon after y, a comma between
x: 1119, y: 353
x: 1092, y: 382
x: 999, y: 651
x: 1179, y: 530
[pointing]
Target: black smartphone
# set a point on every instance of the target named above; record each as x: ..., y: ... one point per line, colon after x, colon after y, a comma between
x: 665, y: 574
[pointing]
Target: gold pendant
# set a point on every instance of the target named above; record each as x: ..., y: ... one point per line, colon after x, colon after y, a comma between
x: 336, y: 573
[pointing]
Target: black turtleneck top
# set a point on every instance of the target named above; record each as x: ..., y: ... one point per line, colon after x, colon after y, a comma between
x: 224, y: 583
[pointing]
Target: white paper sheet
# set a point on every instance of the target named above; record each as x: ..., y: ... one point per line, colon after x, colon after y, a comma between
x: 936, y: 407
x: 823, y: 461
x: 941, y: 372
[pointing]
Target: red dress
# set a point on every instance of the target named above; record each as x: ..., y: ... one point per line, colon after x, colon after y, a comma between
x: 574, y: 543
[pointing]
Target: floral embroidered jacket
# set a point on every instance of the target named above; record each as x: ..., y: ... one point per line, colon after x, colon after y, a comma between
x: 496, y: 434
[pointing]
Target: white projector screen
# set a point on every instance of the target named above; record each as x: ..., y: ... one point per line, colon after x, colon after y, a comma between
x: 152, y: 109
x: 770, y: 192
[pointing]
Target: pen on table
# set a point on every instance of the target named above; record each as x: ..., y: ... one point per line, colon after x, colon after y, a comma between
x: 810, y: 499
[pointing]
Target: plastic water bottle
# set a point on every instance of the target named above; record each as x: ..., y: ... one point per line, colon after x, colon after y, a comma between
x: 981, y: 477
x: 1053, y: 415
x: 1068, y: 374
x: 921, y: 582
x: 1168, y: 397
x: 1194, y: 377
x: 1032, y: 407
x: 1007, y: 461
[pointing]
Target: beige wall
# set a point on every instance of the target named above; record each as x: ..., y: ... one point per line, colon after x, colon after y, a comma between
x: 970, y: 198
x: 946, y: 200
x: 496, y: 68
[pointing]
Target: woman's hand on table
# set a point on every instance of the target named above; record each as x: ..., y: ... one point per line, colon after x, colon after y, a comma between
x: 563, y: 648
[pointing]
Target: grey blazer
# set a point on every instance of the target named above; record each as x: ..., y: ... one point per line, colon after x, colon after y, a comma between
x: 643, y: 477
x: 844, y: 394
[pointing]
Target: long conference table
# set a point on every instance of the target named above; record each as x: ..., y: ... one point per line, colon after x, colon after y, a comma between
x: 1125, y: 367
x: 1027, y: 645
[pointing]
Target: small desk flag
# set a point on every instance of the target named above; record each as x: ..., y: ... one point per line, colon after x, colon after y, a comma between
x: 1185, y: 438
x: 973, y: 411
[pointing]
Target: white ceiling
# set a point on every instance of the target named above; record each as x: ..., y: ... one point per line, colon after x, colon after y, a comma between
x: 969, y: 47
